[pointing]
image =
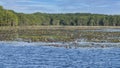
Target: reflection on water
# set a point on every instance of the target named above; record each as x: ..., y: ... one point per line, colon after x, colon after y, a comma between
x: 103, y: 30
x: 111, y: 30
x: 14, y: 55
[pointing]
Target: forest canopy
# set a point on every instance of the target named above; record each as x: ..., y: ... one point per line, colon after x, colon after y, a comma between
x: 11, y: 18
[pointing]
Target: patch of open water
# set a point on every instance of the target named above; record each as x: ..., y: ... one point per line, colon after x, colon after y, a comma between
x: 30, y: 55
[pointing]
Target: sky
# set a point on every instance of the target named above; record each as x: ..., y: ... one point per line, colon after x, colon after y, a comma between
x: 63, y: 6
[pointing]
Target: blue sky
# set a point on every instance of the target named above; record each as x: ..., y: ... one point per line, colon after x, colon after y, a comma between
x: 63, y: 6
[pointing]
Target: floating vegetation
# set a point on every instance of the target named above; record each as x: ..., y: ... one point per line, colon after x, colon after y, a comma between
x: 37, y: 34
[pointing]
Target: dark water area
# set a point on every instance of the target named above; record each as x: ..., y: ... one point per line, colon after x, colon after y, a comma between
x: 34, y: 55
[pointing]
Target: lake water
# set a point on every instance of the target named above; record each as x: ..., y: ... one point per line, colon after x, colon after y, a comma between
x: 34, y: 55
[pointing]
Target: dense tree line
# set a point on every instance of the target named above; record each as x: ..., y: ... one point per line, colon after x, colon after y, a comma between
x: 9, y: 17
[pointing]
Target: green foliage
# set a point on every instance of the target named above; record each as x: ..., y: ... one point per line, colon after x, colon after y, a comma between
x: 11, y: 18
x: 7, y: 18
